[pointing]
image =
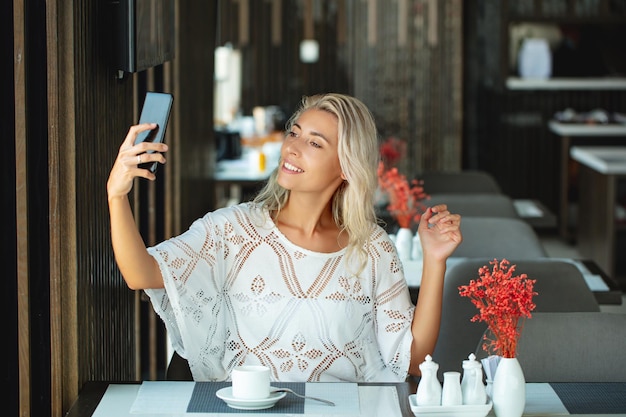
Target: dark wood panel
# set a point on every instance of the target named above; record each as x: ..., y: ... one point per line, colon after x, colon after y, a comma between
x: 409, y: 76
x: 516, y: 145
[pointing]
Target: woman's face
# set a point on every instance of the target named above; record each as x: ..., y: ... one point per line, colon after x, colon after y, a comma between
x: 309, y: 158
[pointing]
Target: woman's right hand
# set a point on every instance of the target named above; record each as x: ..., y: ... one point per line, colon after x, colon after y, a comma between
x: 126, y: 166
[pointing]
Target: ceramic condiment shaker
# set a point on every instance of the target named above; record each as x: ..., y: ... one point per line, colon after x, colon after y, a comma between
x: 416, y: 248
x: 472, y: 386
x: 429, y: 388
x: 452, y: 394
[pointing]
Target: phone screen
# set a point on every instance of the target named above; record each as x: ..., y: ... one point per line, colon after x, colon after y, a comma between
x: 156, y: 109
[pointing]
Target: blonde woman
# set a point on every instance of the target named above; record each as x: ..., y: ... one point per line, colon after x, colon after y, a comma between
x: 302, y: 279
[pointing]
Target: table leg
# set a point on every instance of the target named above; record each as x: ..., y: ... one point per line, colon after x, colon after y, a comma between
x: 596, y: 226
x: 564, y: 188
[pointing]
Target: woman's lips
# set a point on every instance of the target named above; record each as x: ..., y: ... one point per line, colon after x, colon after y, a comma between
x: 292, y: 168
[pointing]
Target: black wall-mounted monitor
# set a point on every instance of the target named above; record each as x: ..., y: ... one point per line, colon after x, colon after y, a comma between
x: 144, y: 33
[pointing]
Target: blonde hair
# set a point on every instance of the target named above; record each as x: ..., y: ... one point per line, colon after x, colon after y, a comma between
x: 352, y: 203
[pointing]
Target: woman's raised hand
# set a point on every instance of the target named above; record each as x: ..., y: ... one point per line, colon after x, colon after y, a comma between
x: 126, y: 166
x: 440, y: 232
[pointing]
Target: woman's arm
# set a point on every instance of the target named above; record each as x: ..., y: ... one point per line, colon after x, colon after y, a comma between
x: 139, y: 269
x: 440, y: 234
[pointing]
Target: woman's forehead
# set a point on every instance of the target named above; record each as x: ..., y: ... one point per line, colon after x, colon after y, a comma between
x: 320, y: 121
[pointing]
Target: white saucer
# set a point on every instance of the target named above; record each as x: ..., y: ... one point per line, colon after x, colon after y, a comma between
x: 226, y: 394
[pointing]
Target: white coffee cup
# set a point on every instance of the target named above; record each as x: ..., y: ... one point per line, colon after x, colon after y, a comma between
x: 251, y: 382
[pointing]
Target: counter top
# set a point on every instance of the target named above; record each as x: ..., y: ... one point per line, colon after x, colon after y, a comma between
x: 239, y: 170
x: 608, y: 83
x: 604, y: 159
x: 581, y: 129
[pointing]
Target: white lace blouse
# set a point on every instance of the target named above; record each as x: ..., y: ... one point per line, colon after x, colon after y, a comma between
x: 237, y: 291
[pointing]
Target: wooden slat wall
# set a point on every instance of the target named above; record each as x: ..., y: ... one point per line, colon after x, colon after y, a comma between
x: 403, y: 58
x: 102, y: 108
x: 518, y: 148
x: 72, y: 114
x: 74, y: 317
x: 506, y: 131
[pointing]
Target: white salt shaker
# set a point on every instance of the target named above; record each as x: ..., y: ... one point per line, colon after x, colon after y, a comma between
x: 472, y: 385
x: 416, y: 248
x: 451, y: 394
x: 429, y: 387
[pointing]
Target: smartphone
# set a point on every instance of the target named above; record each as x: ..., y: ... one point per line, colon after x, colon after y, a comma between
x: 156, y: 109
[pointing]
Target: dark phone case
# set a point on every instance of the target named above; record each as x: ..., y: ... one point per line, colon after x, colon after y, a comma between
x: 156, y: 109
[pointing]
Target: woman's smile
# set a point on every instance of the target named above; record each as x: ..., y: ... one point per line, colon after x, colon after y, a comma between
x: 292, y: 168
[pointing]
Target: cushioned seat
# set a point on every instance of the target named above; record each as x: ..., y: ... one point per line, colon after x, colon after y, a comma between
x: 560, y: 285
x: 498, y: 237
x: 573, y: 347
x: 465, y: 182
x: 476, y: 205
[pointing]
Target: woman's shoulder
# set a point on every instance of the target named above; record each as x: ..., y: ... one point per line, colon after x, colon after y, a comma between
x: 379, y: 233
x: 246, y: 212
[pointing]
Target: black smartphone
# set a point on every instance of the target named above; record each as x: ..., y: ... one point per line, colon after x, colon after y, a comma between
x: 156, y: 109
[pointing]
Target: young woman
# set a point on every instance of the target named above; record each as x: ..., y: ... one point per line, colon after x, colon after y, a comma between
x: 302, y: 279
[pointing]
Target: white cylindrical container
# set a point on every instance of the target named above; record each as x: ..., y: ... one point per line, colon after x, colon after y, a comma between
x: 451, y: 394
x: 404, y: 242
x: 416, y: 248
x: 535, y: 59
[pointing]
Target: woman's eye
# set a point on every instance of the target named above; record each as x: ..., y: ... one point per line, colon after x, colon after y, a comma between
x: 315, y: 144
x: 293, y: 134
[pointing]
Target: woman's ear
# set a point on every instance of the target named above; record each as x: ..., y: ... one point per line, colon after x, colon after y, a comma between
x: 343, y: 177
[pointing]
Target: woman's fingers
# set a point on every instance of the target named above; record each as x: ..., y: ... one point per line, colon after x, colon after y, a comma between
x: 130, y: 156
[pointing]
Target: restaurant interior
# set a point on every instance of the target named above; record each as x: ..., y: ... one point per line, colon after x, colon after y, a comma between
x: 513, y: 112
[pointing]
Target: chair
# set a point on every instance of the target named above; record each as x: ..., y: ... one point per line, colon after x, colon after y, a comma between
x: 573, y: 347
x: 498, y: 237
x: 560, y: 285
x: 476, y: 205
x: 463, y: 182
x: 178, y: 369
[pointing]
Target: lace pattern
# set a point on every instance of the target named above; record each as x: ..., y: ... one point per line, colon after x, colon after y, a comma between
x: 237, y: 291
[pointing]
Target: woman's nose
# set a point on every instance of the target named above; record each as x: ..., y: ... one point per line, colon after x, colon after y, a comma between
x: 290, y: 146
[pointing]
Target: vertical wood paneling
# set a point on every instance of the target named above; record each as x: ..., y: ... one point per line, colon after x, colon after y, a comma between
x: 105, y: 306
x: 10, y: 302
x: 411, y: 84
x: 21, y: 208
x: 63, y: 330
x: 506, y: 131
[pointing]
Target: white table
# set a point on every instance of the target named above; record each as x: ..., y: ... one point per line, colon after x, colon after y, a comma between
x: 375, y: 400
x: 566, y: 132
x: 601, y: 170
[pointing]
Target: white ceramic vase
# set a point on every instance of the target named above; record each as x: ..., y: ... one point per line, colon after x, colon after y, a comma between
x: 404, y: 243
x: 535, y: 59
x: 509, y: 389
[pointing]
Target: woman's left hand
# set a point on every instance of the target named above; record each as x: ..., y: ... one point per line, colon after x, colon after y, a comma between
x: 440, y: 232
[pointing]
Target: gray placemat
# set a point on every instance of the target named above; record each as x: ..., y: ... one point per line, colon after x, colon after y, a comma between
x: 204, y: 400
x: 590, y: 398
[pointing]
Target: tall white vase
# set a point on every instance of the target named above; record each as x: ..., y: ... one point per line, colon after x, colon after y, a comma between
x: 404, y: 243
x: 509, y: 389
x: 535, y: 59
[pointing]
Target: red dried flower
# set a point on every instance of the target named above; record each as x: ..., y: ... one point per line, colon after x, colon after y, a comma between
x: 504, y: 301
x: 405, y: 202
x: 391, y: 151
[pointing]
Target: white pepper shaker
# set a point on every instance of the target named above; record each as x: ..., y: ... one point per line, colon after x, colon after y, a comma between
x: 429, y: 387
